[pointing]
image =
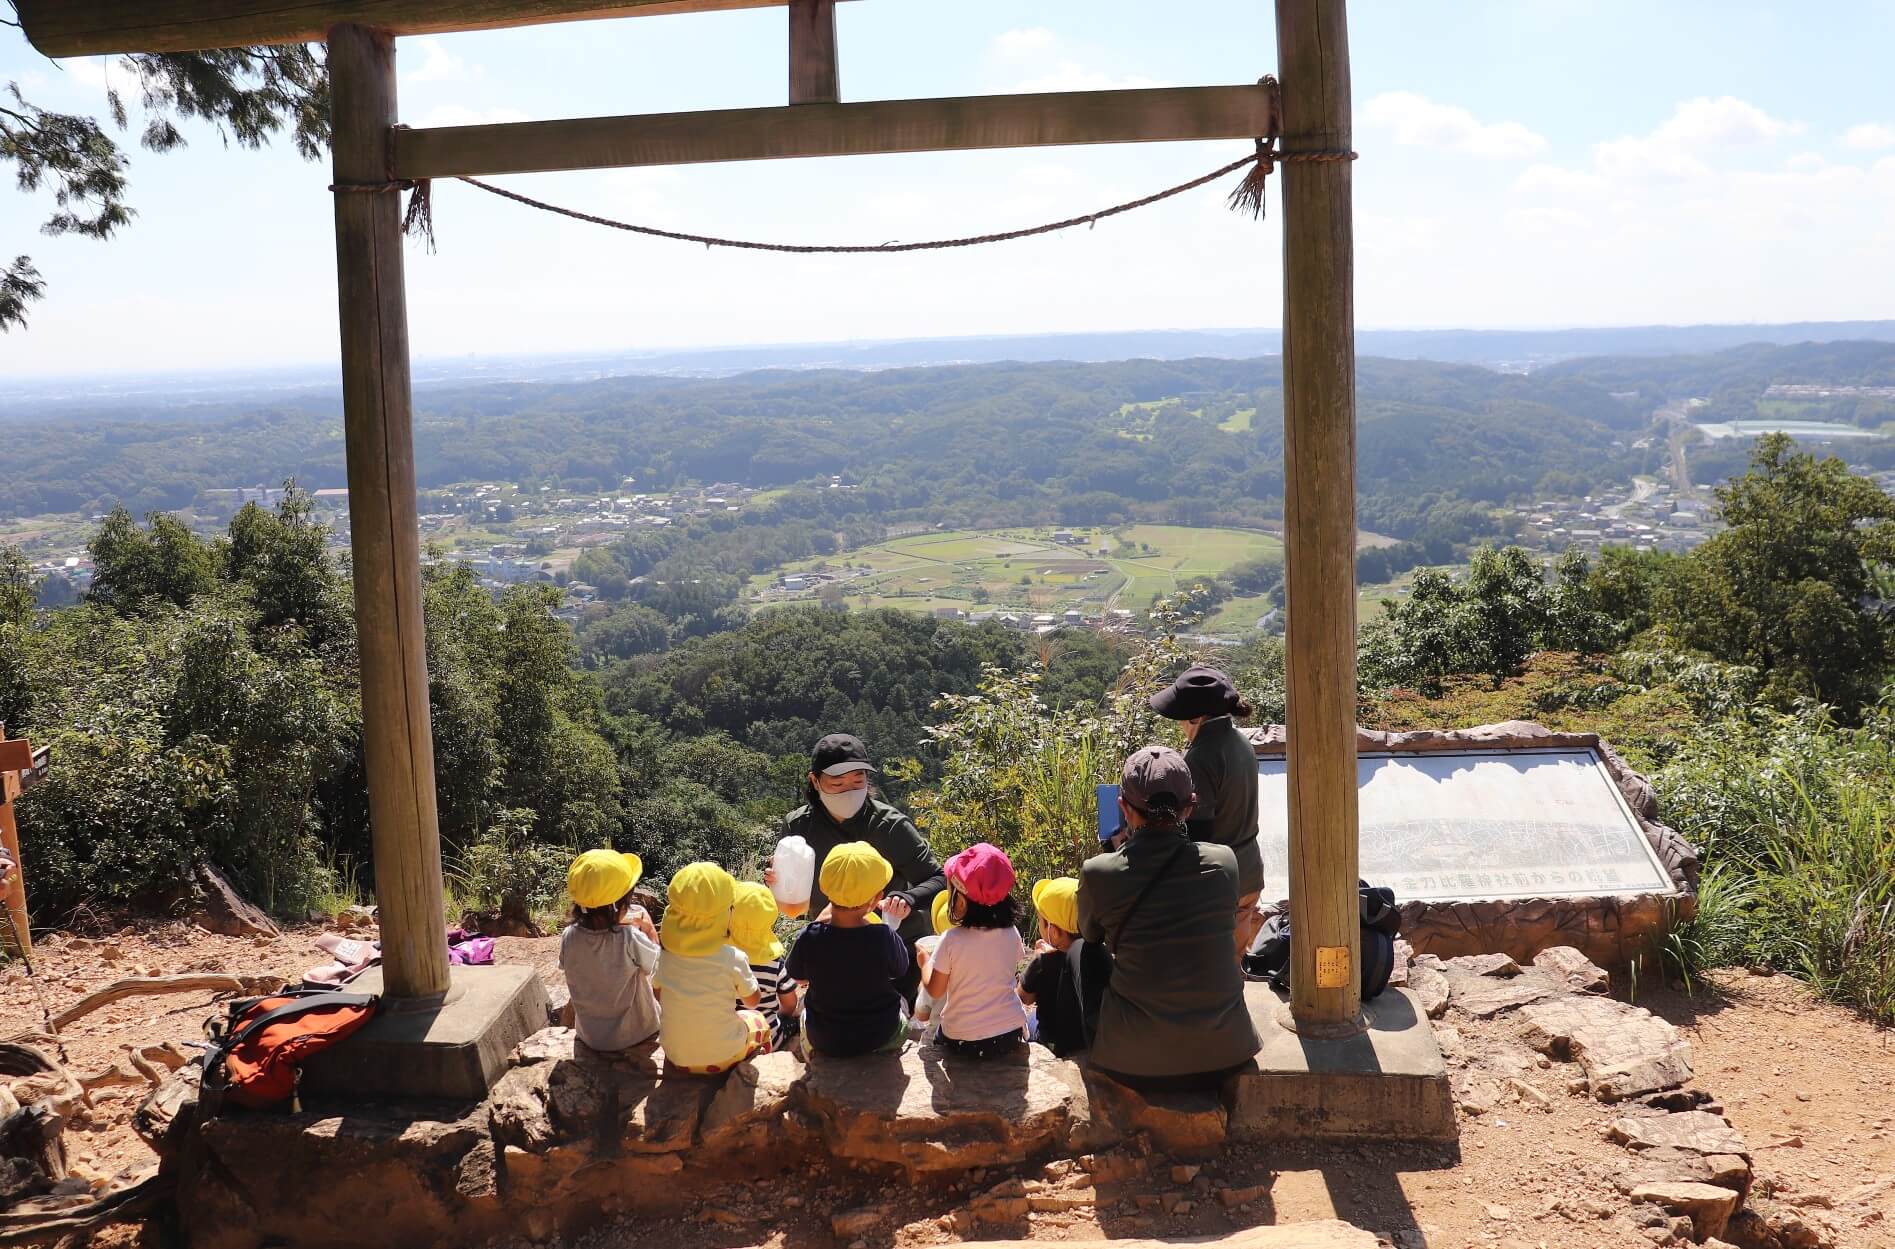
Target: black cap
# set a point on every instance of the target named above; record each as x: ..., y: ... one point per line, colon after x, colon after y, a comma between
x: 839, y: 753
x: 1198, y: 691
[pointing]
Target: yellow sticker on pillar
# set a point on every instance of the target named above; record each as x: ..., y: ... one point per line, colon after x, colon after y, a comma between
x: 1332, y: 967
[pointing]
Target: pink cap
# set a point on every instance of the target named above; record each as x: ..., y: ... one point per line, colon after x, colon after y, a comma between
x: 983, y: 872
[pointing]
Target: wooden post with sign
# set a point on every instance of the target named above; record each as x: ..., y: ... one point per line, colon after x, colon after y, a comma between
x: 1319, y: 516
x: 16, y: 756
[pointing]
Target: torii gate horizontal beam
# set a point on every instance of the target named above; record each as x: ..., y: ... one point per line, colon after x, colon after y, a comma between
x: 90, y: 27
x: 955, y: 124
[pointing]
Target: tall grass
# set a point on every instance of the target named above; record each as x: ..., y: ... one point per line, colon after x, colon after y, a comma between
x: 1796, y: 818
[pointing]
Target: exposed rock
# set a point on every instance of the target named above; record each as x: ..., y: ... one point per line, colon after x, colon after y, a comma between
x: 926, y: 1110
x: 857, y: 1222
x: 1404, y: 958
x: 1183, y: 1124
x: 224, y: 911
x: 749, y: 1107
x: 1326, y: 1234
x: 1500, y: 966
x: 1692, y: 1130
x: 546, y: 1045
x: 1429, y: 984
x: 1233, y: 1197
x: 1184, y: 1174
x: 1113, y: 1167
x: 1668, y: 1164
x: 1679, y: 1099
x: 1708, y: 1206
x: 1624, y: 1050
x: 1580, y: 973
x: 1486, y: 994
x: 558, y: 1006
x: 659, y: 1115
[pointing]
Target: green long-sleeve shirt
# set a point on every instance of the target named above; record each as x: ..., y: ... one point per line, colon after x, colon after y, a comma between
x: 917, y: 874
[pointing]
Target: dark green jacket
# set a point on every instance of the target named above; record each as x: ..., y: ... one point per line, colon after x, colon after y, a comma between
x: 917, y: 874
x: 1224, y: 772
x: 1175, y: 1003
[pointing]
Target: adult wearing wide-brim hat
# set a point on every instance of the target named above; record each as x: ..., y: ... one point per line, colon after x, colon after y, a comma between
x: 1172, y: 1013
x: 841, y: 807
x: 1223, y: 767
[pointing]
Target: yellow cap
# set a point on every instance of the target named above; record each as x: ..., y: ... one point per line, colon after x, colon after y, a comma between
x: 1057, y: 901
x: 602, y: 877
x: 697, y: 910
x: 939, y: 911
x: 853, y: 873
x: 753, y: 923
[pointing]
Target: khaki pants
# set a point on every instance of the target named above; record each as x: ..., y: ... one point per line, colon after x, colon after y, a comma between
x: 1250, y: 917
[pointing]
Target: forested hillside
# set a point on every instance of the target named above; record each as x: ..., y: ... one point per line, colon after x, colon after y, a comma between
x: 974, y: 445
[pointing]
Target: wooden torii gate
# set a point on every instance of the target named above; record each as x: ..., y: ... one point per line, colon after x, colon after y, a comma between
x: 371, y: 152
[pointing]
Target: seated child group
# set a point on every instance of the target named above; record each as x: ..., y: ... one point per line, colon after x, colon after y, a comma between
x: 714, y: 984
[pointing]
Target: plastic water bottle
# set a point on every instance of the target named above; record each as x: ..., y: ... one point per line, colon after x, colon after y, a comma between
x: 795, y: 865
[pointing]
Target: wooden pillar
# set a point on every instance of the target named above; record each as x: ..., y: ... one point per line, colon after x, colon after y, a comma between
x: 1319, y: 515
x: 15, y: 756
x: 398, y: 742
x: 814, y: 76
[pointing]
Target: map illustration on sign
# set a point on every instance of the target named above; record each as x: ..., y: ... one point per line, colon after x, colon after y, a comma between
x: 1480, y: 824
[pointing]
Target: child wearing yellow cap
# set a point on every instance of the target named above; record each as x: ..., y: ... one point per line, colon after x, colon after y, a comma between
x: 702, y: 977
x: 753, y: 915
x: 609, y: 952
x: 1047, y: 984
x: 852, y: 963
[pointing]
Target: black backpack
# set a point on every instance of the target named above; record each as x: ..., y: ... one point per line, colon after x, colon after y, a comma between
x: 1269, y: 955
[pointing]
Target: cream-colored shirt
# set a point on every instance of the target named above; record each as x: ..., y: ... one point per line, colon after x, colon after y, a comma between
x: 699, y: 1025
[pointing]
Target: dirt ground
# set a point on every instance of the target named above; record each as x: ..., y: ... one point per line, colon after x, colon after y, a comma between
x: 1810, y: 1086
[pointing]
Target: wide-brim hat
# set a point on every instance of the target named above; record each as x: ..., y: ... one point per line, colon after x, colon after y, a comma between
x: 853, y: 873
x: 1057, y: 901
x: 753, y: 915
x: 697, y: 912
x: 601, y: 877
x: 1198, y: 691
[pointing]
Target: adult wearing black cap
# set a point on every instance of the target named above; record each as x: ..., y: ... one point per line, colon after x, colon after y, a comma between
x: 838, y: 808
x: 1173, y: 1013
x: 1224, y: 770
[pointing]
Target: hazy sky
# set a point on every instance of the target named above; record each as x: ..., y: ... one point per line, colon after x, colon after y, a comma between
x: 1524, y: 163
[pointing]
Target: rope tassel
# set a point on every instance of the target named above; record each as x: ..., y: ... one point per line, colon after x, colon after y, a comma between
x: 1248, y: 196
x: 419, y: 219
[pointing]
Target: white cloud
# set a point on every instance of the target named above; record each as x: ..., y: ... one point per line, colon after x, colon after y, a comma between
x: 435, y: 64
x: 1417, y: 121
x: 1869, y: 137
x: 456, y: 115
x: 1677, y: 148
x: 1036, y: 59
x: 1557, y: 180
x: 1029, y: 41
x: 1072, y: 76
x: 88, y: 71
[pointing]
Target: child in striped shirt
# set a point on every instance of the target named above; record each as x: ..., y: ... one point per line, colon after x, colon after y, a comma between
x: 753, y: 916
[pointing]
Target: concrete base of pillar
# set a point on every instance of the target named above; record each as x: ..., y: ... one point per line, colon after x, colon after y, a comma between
x: 1387, y: 1082
x: 453, y: 1050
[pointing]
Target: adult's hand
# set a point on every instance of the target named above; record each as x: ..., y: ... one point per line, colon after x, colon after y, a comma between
x: 896, y: 909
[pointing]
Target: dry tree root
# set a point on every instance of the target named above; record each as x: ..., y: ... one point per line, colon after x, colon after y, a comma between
x: 144, y: 986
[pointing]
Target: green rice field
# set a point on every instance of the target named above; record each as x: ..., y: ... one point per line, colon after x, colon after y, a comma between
x: 1024, y: 570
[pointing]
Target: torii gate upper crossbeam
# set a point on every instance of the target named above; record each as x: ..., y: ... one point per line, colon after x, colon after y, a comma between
x: 91, y: 27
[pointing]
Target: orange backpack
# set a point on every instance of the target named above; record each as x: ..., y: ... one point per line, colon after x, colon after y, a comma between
x: 257, y: 1050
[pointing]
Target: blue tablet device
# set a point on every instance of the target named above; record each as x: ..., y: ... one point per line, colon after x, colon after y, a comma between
x: 1108, y: 813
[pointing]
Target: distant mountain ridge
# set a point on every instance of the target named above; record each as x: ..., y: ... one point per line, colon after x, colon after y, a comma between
x: 1507, y: 350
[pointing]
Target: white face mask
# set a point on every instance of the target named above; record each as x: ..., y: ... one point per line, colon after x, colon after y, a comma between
x: 843, y: 806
